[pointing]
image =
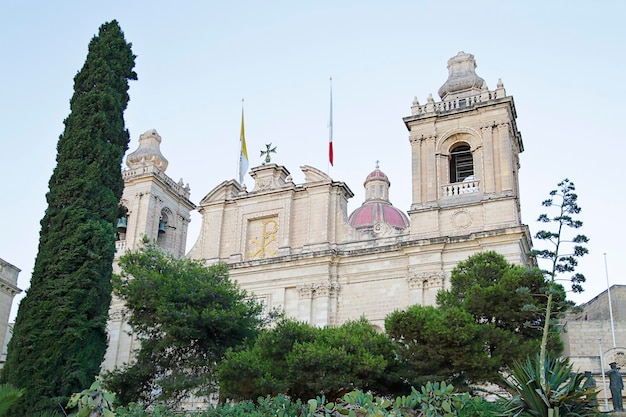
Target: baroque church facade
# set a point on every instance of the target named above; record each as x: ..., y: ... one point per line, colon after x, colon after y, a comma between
x: 296, y: 248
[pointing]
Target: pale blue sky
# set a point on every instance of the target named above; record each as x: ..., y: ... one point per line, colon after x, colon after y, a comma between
x: 563, y: 61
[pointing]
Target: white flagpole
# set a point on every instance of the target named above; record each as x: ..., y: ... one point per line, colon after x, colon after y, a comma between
x: 606, y: 395
x: 330, y: 129
x: 608, y: 292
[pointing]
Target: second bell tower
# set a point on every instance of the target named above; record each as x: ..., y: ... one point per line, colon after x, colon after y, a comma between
x: 465, y: 161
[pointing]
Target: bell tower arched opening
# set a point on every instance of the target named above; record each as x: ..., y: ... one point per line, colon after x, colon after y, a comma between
x: 461, y: 163
x: 162, y: 232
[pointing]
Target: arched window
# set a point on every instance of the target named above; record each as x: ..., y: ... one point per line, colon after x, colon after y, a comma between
x: 461, y: 164
x: 162, y: 232
x: 122, y: 222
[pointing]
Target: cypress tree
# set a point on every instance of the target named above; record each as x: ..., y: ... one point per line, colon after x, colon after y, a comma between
x: 60, y: 336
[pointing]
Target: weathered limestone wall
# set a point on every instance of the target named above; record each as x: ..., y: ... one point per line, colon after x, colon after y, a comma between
x: 8, y: 290
x: 588, y: 335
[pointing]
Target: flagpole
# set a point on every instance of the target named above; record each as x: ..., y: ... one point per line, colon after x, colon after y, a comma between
x: 330, y: 129
x: 606, y: 396
x: 239, y: 150
x: 608, y: 293
x: 243, y: 151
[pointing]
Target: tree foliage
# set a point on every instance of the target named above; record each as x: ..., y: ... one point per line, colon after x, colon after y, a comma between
x: 564, y: 249
x: 436, y: 344
x: 303, y: 361
x: 490, y: 317
x: 186, y: 316
x: 507, y: 301
x: 60, y: 336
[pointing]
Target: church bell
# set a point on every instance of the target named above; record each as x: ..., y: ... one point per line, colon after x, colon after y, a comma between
x: 161, y: 226
x: 121, y: 225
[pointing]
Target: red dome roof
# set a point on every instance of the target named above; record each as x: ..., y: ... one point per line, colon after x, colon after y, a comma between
x: 377, y: 174
x: 377, y: 209
x: 370, y: 213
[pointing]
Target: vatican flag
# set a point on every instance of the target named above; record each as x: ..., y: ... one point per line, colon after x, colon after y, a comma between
x: 243, y: 154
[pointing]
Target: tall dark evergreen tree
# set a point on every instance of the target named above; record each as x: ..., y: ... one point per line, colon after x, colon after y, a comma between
x: 60, y: 335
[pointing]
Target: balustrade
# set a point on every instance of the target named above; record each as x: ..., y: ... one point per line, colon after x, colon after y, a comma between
x: 154, y: 170
x: 120, y: 246
x: 460, y: 188
x: 456, y: 103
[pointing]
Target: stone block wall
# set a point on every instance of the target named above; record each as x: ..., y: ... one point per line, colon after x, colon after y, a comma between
x: 8, y: 290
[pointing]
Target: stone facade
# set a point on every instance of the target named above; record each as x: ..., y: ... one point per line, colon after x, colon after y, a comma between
x: 8, y: 290
x: 591, y: 341
x: 157, y: 208
x: 293, y: 246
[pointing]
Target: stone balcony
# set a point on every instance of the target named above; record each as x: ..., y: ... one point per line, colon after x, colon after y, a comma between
x: 120, y: 246
x: 460, y: 188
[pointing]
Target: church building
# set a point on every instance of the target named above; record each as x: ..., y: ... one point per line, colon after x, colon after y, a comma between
x: 296, y: 248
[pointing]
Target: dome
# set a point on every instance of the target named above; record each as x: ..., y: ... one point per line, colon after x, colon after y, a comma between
x: 377, y: 174
x: 377, y: 210
x: 367, y: 216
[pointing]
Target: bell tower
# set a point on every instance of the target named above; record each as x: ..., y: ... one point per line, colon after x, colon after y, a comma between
x: 465, y: 162
x: 155, y: 206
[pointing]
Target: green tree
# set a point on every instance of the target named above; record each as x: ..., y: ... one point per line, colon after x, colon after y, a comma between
x: 507, y: 301
x: 491, y: 317
x: 304, y: 361
x: 435, y: 344
x: 564, y: 249
x: 60, y: 332
x: 261, y: 369
x: 186, y: 316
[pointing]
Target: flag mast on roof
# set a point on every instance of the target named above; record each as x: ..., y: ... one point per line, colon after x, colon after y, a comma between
x: 243, y: 153
x: 330, y: 126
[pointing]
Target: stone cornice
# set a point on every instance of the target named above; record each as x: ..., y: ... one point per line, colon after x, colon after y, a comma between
x: 332, y: 254
x: 8, y: 288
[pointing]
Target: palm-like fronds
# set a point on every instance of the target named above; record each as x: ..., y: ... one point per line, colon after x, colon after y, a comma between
x: 8, y: 395
x: 564, y: 392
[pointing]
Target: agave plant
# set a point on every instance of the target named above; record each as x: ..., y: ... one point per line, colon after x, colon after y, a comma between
x: 563, y: 394
x: 8, y: 395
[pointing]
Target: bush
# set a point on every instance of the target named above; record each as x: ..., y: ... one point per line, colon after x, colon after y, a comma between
x: 564, y: 392
x: 303, y: 361
x: 432, y: 400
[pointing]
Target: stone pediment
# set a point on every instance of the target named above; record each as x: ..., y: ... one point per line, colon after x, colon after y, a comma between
x: 227, y: 190
x: 270, y: 177
x: 312, y: 174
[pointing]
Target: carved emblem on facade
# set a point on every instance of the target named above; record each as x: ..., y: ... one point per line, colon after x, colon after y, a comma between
x: 619, y: 358
x: 263, y: 184
x: 383, y: 229
x: 461, y: 219
x: 426, y: 280
x: 265, y: 243
x: 318, y: 289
